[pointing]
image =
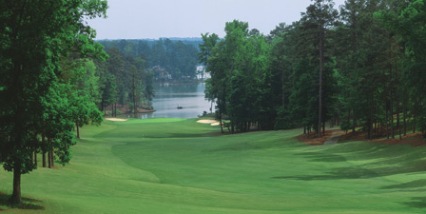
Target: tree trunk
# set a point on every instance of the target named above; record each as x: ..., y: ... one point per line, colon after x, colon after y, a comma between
x: 387, y: 119
x: 115, y: 109
x: 405, y: 118
x: 391, y: 120
x: 43, y: 150
x: 134, y: 96
x: 49, y: 163
x: 102, y: 104
x: 77, y: 129
x: 321, y: 71
x: 323, y: 128
x: 414, y: 123
x: 369, y: 129
x: 112, y: 110
x: 353, y: 125
x: 44, y: 159
x: 52, y: 159
x: 220, y: 120
x: 16, y: 195
x: 35, y: 158
x: 398, y: 122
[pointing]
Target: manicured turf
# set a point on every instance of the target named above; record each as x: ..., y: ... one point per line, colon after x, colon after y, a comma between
x: 179, y: 166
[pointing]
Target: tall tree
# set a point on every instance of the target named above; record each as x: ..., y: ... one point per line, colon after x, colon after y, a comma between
x: 319, y: 17
x: 35, y: 35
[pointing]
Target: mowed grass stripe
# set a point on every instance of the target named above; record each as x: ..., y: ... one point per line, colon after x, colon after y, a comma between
x: 179, y: 166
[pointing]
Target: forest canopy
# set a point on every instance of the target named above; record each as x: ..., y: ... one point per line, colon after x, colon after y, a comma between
x: 360, y: 66
x: 168, y: 59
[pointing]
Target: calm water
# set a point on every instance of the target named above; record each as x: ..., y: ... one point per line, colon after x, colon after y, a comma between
x: 189, y: 96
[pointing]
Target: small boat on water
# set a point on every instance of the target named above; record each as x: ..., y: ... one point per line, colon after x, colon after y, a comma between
x: 179, y: 107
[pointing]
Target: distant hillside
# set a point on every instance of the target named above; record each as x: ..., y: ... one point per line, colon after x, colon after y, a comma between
x: 169, y: 58
x: 193, y: 41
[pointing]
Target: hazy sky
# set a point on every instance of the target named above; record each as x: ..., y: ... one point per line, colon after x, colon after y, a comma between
x: 141, y: 19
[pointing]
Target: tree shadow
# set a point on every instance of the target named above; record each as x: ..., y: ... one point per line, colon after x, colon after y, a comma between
x: 417, y: 202
x: 409, y: 185
x: 391, y: 159
x: 412, y: 186
x: 361, y: 172
x: 27, y: 203
x: 320, y: 157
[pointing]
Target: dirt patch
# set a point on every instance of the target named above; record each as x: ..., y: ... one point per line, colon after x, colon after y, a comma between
x: 413, y: 139
x: 312, y: 139
x: 116, y: 119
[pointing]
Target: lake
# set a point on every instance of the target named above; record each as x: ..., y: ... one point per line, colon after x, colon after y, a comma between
x: 188, y: 96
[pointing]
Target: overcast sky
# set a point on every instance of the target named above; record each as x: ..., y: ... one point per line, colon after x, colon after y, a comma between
x: 143, y: 19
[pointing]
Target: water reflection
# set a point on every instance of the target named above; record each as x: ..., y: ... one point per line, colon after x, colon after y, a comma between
x: 170, y: 96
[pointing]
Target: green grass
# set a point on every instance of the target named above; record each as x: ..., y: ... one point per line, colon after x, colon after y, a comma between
x: 178, y: 166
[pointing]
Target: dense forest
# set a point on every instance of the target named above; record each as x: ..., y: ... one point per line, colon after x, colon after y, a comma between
x: 360, y: 66
x: 125, y: 84
x: 168, y: 59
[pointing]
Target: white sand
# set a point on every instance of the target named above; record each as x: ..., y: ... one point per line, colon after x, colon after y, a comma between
x: 116, y: 119
x: 211, y: 122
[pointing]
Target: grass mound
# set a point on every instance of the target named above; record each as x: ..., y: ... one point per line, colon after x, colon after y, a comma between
x: 180, y: 166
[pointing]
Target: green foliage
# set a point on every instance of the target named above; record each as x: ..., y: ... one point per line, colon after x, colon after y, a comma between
x: 37, y: 37
x: 362, y: 68
x: 167, y: 58
x: 238, y: 65
x: 57, y: 121
x: 124, y: 80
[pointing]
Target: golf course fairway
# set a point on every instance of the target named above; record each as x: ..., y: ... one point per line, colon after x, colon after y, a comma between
x: 178, y: 166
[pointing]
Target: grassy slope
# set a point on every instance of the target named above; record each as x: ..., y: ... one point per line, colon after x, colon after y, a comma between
x: 179, y: 166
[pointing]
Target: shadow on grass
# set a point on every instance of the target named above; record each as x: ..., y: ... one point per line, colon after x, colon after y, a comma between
x: 392, y: 159
x: 417, y: 202
x: 193, y: 135
x: 362, y: 173
x: 320, y: 157
x: 27, y: 203
x: 409, y: 185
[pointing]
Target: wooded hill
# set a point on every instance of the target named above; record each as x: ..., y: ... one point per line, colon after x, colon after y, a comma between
x: 174, y: 58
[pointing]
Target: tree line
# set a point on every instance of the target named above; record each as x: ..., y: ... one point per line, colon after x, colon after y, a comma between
x: 360, y: 66
x: 168, y: 59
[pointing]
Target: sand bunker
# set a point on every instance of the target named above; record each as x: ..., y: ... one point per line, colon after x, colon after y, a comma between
x: 116, y: 119
x: 211, y: 122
